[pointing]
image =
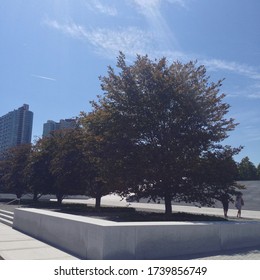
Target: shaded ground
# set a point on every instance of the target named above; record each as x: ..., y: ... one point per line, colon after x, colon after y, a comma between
x: 118, y: 214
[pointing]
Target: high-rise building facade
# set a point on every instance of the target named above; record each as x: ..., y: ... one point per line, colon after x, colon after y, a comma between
x: 16, y: 128
x: 50, y: 126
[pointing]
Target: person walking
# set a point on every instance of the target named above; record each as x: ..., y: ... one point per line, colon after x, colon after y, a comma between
x: 225, y: 202
x: 238, y: 204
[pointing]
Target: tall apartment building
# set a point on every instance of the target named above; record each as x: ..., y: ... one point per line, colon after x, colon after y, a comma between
x: 50, y: 126
x: 16, y: 128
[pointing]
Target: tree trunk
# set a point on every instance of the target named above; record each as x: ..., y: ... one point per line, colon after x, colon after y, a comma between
x: 98, y: 202
x: 168, y: 204
x: 18, y: 194
x: 59, y: 198
x: 35, y: 196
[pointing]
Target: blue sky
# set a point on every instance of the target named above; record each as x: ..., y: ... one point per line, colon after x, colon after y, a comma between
x: 53, y: 51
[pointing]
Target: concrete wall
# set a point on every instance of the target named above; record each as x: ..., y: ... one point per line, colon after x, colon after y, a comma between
x: 90, y: 238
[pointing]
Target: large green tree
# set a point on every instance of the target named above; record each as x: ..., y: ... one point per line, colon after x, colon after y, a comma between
x: 40, y: 179
x: 58, y: 165
x: 100, y: 153
x: 158, y: 121
x: 217, y: 173
x: 68, y: 165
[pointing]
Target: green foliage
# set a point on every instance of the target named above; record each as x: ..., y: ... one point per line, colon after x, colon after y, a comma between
x: 258, y: 172
x: 247, y: 170
x: 38, y: 171
x: 218, y: 173
x: 156, y: 122
x: 12, y: 169
x: 67, y: 165
x: 99, y: 151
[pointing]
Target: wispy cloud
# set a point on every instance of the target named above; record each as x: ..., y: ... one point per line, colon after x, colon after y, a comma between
x: 71, y: 29
x: 147, y: 4
x: 252, y: 133
x: 152, y: 12
x: 108, y: 42
x: 130, y: 40
x: 250, y: 90
x: 43, y: 77
x: 255, y: 91
x: 98, y: 6
x: 242, y: 69
x: 248, y: 128
x: 255, y: 95
x: 182, y: 3
x: 159, y: 40
x: 151, y: 9
x: 133, y: 40
x: 152, y: 4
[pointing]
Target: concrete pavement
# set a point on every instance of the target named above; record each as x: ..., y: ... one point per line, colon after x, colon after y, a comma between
x: 242, y: 254
x: 15, y: 245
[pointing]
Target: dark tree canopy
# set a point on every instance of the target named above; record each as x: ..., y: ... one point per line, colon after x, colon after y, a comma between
x: 247, y: 170
x: 99, y: 152
x: 258, y: 171
x: 159, y: 120
x: 12, y: 169
x: 58, y: 165
x: 68, y: 165
x: 218, y: 173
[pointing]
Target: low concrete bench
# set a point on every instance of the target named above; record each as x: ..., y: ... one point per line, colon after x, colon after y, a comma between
x: 98, y: 239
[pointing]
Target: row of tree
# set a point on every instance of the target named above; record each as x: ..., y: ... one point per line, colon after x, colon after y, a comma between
x: 247, y: 170
x: 157, y: 131
x: 60, y: 164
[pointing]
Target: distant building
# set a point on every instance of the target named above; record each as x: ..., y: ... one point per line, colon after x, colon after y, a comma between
x: 16, y: 128
x: 50, y: 126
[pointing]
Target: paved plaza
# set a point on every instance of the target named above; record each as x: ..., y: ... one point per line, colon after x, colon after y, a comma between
x: 15, y: 245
